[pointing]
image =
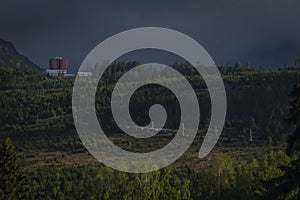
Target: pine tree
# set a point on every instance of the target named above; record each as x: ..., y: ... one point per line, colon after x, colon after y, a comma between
x: 294, y: 140
x: 288, y: 185
x: 13, y: 182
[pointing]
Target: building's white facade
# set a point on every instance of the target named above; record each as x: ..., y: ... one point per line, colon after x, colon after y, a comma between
x: 55, y: 72
x: 64, y: 73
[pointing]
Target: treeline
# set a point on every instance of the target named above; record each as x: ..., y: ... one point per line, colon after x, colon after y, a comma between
x: 257, y: 99
x: 266, y: 176
x: 219, y: 178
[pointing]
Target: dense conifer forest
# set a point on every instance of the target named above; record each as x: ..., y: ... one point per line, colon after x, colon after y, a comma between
x: 42, y: 157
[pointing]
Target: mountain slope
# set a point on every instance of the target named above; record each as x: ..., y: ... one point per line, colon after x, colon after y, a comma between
x: 10, y: 57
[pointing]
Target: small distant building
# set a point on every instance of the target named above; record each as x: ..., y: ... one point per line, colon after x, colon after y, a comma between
x: 58, y: 66
x: 84, y: 74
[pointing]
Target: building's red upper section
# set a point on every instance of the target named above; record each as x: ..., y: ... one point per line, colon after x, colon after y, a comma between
x: 58, y: 63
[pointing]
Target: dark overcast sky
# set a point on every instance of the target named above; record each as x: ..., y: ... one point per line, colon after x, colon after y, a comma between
x: 264, y: 32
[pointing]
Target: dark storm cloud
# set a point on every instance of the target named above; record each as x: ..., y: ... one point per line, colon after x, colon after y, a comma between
x: 264, y: 32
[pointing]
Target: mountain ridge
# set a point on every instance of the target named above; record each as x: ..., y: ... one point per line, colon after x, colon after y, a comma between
x: 9, y: 56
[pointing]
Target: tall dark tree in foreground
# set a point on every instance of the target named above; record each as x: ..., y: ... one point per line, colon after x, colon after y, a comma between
x: 288, y: 185
x: 12, y: 182
x: 294, y: 140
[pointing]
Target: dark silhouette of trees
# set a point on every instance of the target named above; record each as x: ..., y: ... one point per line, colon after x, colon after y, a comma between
x: 294, y: 140
x: 288, y: 185
x: 13, y: 184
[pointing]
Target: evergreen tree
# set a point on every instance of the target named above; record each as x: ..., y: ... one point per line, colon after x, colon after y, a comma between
x: 294, y: 140
x: 13, y: 182
x: 288, y: 185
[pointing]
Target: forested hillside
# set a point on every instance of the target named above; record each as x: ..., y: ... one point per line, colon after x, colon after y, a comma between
x: 36, y: 114
x: 9, y: 56
x: 257, y: 99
